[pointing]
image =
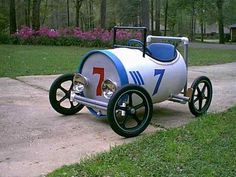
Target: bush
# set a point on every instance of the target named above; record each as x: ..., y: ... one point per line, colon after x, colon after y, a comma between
x: 67, y: 37
x: 4, y: 39
x: 3, y: 23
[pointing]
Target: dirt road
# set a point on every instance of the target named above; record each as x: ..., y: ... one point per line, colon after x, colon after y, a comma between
x: 35, y: 140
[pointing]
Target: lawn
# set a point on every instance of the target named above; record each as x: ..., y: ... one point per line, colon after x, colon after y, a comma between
x: 206, y: 56
x: 204, y: 148
x: 17, y: 60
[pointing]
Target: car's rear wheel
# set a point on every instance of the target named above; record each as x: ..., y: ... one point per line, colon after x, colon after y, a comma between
x: 59, y: 96
x: 201, y: 96
x: 130, y: 110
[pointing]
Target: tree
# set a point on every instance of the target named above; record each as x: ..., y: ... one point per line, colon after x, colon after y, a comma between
x: 166, y: 16
x: 103, y: 11
x: 202, y: 19
x: 78, y: 4
x: 152, y: 16
x: 68, y: 12
x: 219, y: 5
x: 158, y: 15
x: 91, y: 15
x: 145, y: 13
x: 36, y: 14
x: 182, y: 17
x: 173, y: 16
x: 192, y: 28
x: 4, y: 16
x: 27, y: 4
x: 44, y: 11
x: 228, y: 11
x: 127, y: 12
x: 12, y: 17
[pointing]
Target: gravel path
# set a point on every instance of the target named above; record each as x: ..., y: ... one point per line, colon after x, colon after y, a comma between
x: 35, y: 140
x: 213, y: 46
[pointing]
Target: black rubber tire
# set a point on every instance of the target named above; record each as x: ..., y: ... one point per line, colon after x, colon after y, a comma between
x: 199, y: 95
x: 125, y: 94
x: 56, y: 104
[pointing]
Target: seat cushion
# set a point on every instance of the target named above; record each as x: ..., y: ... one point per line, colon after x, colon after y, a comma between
x: 162, y: 51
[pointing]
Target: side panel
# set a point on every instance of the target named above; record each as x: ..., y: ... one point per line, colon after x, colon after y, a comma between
x: 158, y: 78
x: 124, y: 66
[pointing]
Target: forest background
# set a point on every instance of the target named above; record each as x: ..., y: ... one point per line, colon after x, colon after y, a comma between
x: 162, y: 17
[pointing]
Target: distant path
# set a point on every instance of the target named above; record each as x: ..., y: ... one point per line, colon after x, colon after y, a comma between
x: 213, y: 46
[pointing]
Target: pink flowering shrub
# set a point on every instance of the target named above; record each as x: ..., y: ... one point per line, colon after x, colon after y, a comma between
x: 66, y: 32
x: 95, y: 34
x: 96, y: 37
x: 47, y: 32
x: 25, y: 32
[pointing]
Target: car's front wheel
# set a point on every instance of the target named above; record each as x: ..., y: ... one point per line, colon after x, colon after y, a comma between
x: 59, y: 96
x: 130, y: 110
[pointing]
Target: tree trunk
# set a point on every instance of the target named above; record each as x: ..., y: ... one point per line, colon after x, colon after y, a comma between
x: 152, y: 16
x: 158, y: 15
x: 192, y: 21
x: 45, y: 12
x: 202, y: 31
x: 103, y: 11
x: 91, y: 18
x: 166, y: 15
x: 27, y: 12
x: 68, y: 12
x: 78, y: 5
x: 36, y: 14
x: 202, y: 20
x: 12, y: 17
x: 219, y: 4
x: 145, y: 13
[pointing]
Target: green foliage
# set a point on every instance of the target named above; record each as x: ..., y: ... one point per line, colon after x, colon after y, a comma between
x: 3, y: 23
x: 181, y: 14
x: 230, y: 6
x: 4, y: 38
x: 129, y: 12
x: 205, y: 147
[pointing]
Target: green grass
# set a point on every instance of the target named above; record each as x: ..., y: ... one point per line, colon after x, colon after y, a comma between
x: 17, y: 60
x: 206, y: 56
x: 204, y: 148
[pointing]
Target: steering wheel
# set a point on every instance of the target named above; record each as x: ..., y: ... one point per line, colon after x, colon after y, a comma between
x: 140, y: 43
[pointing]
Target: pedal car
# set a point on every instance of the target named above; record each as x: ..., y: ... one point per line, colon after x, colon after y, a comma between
x: 124, y: 82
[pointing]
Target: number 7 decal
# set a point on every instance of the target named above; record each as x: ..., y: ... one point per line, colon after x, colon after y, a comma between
x: 100, y: 72
x: 157, y: 72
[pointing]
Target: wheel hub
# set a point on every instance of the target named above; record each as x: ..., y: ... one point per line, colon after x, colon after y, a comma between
x: 132, y: 111
x: 201, y: 96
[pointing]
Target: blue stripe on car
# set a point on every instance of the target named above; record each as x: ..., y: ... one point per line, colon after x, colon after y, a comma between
x: 134, y: 78
x: 140, y: 77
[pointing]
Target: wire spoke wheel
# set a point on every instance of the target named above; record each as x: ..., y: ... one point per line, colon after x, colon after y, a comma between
x: 130, y: 110
x: 59, y: 95
x: 201, y: 97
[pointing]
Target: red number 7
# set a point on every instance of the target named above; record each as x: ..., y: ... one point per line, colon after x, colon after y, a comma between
x: 100, y: 72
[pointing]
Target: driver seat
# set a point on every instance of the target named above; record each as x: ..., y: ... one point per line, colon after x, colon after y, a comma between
x: 163, y: 52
